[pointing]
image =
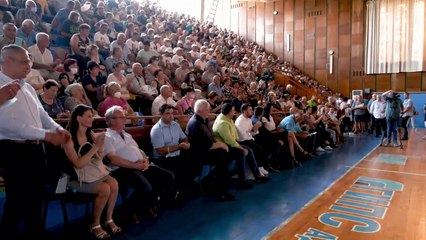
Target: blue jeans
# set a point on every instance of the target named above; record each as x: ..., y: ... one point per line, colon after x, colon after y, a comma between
x: 392, y: 125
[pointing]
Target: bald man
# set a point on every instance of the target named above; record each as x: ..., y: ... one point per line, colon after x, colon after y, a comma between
x: 25, y: 127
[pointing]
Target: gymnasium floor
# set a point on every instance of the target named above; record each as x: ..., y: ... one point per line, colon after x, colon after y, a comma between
x: 331, y: 185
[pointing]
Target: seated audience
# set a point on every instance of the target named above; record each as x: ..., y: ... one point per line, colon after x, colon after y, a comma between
x: 50, y: 103
x: 117, y: 76
x: 84, y: 149
x: 70, y: 27
x: 206, y: 150
x: 79, y: 43
x: 216, y: 86
x: 213, y: 100
x: 9, y: 36
x: 165, y: 97
x: 291, y: 124
x: 61, y: 16
x: 101, y: 40
x: 185, y: 105
x: 225, y: 131
x: 246, y: 131
x: 26, y: 32
x: 121, y: 43
x: 169, y: 148
x: 76, y: 96
x: 69, y: 76
x: 114, y: 98
x: 139, y: 91
x: 93, y: 83
x: 29, y: 12
x: 35, y: 79
x: 131, y: 166
x: 43, y: 59
x: 116, y: 57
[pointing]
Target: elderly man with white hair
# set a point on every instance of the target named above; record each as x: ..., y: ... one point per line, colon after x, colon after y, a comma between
x: 131, y: 166
x: 207, y: 150
x: 29, y: 12
x: 121, y: 42
x: 165, y: 97
x: 9, y: 36
x: 27, y: 33
x: 43, y: 59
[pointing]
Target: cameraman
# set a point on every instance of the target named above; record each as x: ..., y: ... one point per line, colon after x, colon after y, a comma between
x: 393, y: 113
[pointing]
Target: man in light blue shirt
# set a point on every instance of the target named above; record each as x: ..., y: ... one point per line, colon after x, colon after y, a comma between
x: 296, y: 134
x: 24, y: 128
x: 169, y: 143
x: 27, y: 33
x: 215, y: 86
x: 291, y: 124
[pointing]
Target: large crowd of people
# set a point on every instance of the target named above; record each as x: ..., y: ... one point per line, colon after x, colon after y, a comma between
x: 126, y: 58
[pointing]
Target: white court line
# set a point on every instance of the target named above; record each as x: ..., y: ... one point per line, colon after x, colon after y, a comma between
x: 316, y: 197
x: 390, y: 171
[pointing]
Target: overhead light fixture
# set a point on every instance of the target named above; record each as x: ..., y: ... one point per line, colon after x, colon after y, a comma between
x: 275, y: 12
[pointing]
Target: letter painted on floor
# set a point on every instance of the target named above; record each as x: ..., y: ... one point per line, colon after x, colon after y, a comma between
x: 380, y: 183
x: 366, y: 225
x: 313, y: 233
x: 367, y: 211
x: 383, y: 192
x: 365, y: 198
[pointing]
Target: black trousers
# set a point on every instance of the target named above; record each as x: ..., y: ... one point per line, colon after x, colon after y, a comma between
x: 221, y: 160
x: 24, y: 168
x: 258, y: 151
x: 148, y: 184
x: 182, y: 168
x: 133, y: 178
x: 308, y: 143
x: 381, y: 126
x: 162, y: 182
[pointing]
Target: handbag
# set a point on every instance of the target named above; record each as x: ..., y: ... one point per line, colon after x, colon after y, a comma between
x: 92, y: 171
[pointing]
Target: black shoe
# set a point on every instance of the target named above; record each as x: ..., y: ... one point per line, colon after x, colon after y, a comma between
x: 404, y: 138
x: 245, y: 186
x: 226, y: 197
x: 261, y: 179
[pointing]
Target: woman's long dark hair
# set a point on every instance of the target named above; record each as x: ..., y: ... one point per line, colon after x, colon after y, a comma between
x: 73, y: 124
x: 267, y: 111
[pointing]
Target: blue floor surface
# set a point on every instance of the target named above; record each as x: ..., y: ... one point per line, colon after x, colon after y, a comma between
x: 255, y: 213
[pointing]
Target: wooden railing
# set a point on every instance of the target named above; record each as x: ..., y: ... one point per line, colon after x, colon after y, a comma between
x: 299, y: 89
x: 99, y: 122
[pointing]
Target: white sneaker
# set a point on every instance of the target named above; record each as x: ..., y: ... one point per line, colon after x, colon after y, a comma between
x: 320, y: 149
x: 396, y: 145
x: 328, y: 148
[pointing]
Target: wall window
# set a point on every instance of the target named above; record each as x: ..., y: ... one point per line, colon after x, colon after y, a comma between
x: 394, y: 36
